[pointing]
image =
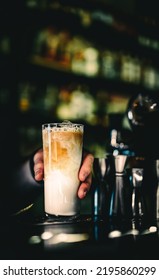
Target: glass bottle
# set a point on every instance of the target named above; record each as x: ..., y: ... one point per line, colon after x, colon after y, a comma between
x: 143, y: 116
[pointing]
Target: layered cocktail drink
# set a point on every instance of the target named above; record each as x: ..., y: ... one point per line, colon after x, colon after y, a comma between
x: 62, y: 147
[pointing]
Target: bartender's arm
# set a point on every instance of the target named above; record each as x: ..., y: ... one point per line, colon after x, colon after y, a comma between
x: 28, y: 179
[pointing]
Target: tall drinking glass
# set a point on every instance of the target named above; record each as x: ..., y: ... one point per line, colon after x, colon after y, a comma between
x: 62, y: 147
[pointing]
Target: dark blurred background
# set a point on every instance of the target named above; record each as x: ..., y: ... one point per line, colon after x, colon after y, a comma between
x: 77, y: 60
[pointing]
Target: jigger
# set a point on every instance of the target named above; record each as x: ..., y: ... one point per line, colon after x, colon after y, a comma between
x: 120, y: 198
x: 120, y: 161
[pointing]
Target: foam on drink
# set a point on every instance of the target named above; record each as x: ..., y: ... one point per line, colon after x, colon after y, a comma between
x: 62, y: 145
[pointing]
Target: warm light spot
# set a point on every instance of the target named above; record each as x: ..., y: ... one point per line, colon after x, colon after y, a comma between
x: 46, y: 235
x: 68, y: 238
x: 114, y: 234
x: 153, y: 229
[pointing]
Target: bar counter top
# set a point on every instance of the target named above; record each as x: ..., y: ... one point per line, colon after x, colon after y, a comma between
x: 26, y: 236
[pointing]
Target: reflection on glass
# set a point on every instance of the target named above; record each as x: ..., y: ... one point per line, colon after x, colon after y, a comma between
x: 157, y: 194
x: 60, y: 235
x: 137, y: 198
x: 101, y: 188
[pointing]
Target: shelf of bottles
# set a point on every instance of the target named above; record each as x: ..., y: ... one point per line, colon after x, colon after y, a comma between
x: 122, y: 54
x: 126, y: 56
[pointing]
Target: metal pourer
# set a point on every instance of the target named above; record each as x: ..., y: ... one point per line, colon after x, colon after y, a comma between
x: 120, y: 161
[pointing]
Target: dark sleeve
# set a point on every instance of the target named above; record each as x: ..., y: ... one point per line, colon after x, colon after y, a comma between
x: 24, y: 188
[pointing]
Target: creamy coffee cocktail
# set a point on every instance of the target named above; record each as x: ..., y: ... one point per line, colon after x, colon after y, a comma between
x: 62, y: 147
